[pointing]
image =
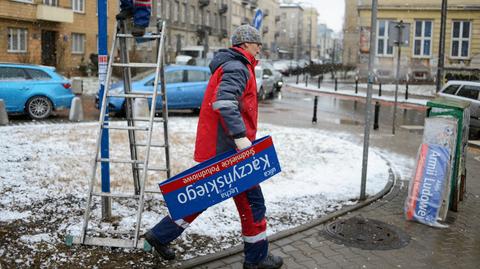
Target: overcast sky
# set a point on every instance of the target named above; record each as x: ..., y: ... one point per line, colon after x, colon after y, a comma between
x: 331, y: 12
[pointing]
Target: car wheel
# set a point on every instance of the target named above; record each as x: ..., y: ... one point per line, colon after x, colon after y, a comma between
x: 261, y: 94
x: 39, y: 107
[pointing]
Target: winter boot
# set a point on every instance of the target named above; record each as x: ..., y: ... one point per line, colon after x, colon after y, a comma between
x: 138, y: 31
x: 270, y: 262
x: 162, y: 249
x: 124, y: 14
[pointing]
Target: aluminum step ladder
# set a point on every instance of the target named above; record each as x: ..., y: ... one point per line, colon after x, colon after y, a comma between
x: 140, y: 165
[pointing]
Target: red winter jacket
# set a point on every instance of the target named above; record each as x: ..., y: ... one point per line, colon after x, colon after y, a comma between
x: 229, y: 109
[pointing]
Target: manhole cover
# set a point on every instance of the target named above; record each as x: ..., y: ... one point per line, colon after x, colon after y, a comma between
x: 366, y: 234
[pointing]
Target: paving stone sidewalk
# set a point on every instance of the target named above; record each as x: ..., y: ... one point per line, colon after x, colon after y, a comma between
x: 457, y: 246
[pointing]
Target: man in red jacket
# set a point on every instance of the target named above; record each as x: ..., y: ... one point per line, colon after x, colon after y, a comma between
x: 228, y: 120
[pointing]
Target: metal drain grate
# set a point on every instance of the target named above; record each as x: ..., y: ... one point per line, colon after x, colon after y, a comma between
x: 366, y: 234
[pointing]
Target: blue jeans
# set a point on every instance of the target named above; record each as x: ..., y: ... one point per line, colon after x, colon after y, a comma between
x: 141, y: 10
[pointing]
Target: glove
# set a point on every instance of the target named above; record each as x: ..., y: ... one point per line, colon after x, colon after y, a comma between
x: 242, y: 143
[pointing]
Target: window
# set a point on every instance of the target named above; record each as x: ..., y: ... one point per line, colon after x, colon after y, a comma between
x: 36, y: 74
x: 192, y: 15
x: 12, y: 73
x: 460, y: 39
x: 174, y: 77
x: 78, y: 43
x: 167, y: 10
x: 184, y: 13
x: 267, y: 72
x: 422, y: 44
x: 175, y: 11
x: 17, y: 40
x: 470, y: 92
x: 78, y: 6
x: 51, y: 2
x: 452, y: 89
x: 159, y: 9
x: 196, y: 76
x: 207, y: 19
x: 383, y: 49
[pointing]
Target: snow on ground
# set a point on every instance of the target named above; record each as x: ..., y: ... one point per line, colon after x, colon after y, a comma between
x: 45, y: 171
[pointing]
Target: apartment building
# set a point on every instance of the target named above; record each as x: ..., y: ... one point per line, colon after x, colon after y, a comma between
x: 61, y: 33
x: 268, y: 29
x: 290, y: 27
x: 309, y: 39
x: 420, y: 56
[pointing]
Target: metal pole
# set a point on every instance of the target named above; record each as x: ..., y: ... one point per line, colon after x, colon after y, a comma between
x: 315, y: 104
x: 368, y: 105
x: 399, y: 51
x: 441, y: 46
x: 102, y: 72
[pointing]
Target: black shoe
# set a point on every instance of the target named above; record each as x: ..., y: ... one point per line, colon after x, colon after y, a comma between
x: 138, y: 31
x: 124, y: 14
x: 162, y: 249
x: 270, y: 262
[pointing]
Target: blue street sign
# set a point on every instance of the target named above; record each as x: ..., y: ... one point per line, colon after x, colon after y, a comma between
x: 220, y: 178
x: 257, y: 20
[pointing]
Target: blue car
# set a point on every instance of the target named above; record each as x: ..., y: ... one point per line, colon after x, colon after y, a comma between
x: 185, y: 88
x: 33, y: 89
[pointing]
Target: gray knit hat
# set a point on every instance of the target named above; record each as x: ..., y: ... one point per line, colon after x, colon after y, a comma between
x: 246, y: 34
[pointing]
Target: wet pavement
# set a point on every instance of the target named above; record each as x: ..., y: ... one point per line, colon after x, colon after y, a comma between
x: 457, y: 246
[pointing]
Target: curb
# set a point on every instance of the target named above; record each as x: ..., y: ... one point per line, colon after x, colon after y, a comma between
x: 195, y: 262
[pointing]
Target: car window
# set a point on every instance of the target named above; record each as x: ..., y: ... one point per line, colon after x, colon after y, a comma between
x: 174, y: 76
x: 12, y: 73
x: 258, y: 72
x: 469, y: 91
x: 452, y: 89
x: 267, y: 72
x: 196, y: 76
x: 36, y: 74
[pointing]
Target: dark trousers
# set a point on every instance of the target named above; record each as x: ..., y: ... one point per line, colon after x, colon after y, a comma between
x: 141, y: 10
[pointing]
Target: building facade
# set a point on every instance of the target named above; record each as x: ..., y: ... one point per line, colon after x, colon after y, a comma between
x: 61, y: 33
x: 290, y: 40
x: 309, y: 39
x: 419, y: 58
x: 268, y: 29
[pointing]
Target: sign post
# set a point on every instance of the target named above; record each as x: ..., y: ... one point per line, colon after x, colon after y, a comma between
x: 257, y: 20
x: 102, y: 74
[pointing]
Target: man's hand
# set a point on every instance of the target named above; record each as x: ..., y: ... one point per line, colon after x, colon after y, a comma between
x: 242, y: 143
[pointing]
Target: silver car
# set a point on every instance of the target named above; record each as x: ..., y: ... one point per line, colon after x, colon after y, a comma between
x: 269, y: 81
x: 466, y: 91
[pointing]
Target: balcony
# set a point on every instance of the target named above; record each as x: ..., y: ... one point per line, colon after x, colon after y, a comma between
x: 277, y: 18
x: 55, y: 14
x: 253, y: 4
x: 277, y: 34
x: 245, y: 20
x: 266, y: 13
x: 245, y: 2
x: 203, y: 3
x: 265, y: 29
x: 223, y: 8
x: 223, y: 33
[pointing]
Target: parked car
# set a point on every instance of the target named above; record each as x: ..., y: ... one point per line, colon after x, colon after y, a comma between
x: 466, y: 91
x: 185, y: 88
x: 33, y: 89
x: 269, y: 81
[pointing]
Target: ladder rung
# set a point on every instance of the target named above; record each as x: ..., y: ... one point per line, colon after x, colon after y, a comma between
x: 138, y: 128
x: 151, y: 145
x: 148, y: 119
x: 106, y: 160
x: 131, y: 95
x: 146, y: 36
x: 115, y: 195
x: 112, y: 242
x: 148, y: 65
x: 158, y: 169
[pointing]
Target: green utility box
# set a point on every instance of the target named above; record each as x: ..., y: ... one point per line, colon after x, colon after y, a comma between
x: 460, y: 110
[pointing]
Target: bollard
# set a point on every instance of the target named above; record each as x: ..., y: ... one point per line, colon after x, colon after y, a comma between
x: 315, y: 103
x: 406, y: 91
x: 298, y: 75
x: 76, y: 109
x: 306, y: 80
x: 336, y: 84
x: 380, y: 89
x: 3, y: 113
x: 319, y: 82
x: 377, y: 111
x: 356, y: 86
